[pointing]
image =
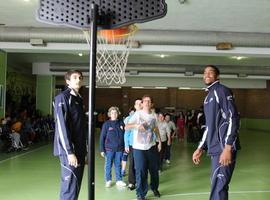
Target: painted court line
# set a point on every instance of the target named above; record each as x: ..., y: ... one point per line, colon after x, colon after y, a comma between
x: 207, y: 193
x: 22, y: 154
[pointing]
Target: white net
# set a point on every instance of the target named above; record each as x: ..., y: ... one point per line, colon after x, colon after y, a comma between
x: 112, y: 54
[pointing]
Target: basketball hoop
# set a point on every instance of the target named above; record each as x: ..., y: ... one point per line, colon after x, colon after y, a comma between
x: 112, y: 53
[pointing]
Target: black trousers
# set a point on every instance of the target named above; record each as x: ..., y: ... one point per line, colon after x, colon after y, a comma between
x: 131, y: 168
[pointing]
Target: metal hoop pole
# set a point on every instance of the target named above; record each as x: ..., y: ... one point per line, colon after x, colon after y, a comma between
x: 91, y: 104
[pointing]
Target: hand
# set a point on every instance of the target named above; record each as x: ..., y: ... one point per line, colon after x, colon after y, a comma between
x: 196, y: 156
x: 127, y: 149
x: 102, y: 154
x: 159, y: 146
x: 225, y: 158
x: 141, y: 128
x: 72, y: 160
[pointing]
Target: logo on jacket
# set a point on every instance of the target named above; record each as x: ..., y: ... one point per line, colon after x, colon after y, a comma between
x: 60, y: 104
x: 110, y: 128
x: 206, y: 102
x: 229, y: 98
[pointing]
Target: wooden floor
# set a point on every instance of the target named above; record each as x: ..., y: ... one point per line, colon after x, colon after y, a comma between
x: 34, y: 174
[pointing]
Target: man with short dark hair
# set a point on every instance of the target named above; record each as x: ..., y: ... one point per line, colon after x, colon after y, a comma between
x: 220, y: 137
x: 70, y: 135
x: 144, y: 124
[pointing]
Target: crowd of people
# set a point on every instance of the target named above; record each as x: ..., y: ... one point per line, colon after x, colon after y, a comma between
x: 144, y: 139
x: 19, y: 132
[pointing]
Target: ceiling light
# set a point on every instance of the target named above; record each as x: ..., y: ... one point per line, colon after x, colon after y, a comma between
x: 161, y: 88
x: 115, y: 87
x: 137, y: 87
x: 190, y: 88
x: 162, y: 56
x: 26, y: 0
x: 184, y: 88
x: 238, y: 57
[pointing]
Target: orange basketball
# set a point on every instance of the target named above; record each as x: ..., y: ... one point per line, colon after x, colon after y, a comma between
x: 113, y: 35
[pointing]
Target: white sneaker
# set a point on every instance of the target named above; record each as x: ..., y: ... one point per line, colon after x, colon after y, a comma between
x: 121, y: 183
x: 108, y: 184
x: 168, y: 161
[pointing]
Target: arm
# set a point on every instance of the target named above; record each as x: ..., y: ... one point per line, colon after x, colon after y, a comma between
x: 61, y: 116
x: 103, y: 135
x: 133, y: 123
x: 156, y: 131
x: 230, y: 112
x: 202, y: 144
x: 127, y: 135
x: 173, y: 134
x: 169, y: 137
x: 61, y: 119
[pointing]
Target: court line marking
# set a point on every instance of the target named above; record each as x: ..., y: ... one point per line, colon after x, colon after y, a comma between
x: 22, y: 154
x: 207, y: 193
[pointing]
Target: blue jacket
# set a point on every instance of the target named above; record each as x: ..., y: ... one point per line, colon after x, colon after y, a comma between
x: 112, y: 136
x: 70, y: 125
x: 222, y: 120
x: 128, y: 137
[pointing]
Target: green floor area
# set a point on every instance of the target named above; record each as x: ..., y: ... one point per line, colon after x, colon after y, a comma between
x: 34, y: 174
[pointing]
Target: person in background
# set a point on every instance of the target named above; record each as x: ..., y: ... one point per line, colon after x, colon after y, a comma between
x: 165, y: 136
x: 128, y: 145
x: 181, y: 127
x: 112, y: 146
x: 172, y: 128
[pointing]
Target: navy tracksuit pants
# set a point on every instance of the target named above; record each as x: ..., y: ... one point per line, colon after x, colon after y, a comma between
x: 145, y: 160
x: 71, y: 178
x: 220, y: 178
x: 131, y: 168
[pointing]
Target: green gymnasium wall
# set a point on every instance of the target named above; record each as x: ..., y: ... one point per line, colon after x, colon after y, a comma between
x: 44, y: 94
x: 3, y: 70
x: 256, y: 124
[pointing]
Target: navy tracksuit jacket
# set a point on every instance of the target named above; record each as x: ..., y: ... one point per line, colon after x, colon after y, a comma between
x: 70, y: 138
x: 112, y: 136
x: 222, y: 124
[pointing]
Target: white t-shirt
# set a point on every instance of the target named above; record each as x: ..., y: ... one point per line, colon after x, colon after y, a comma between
x: 144, y: 140
x: 172, y: 126
x: 164, y: 130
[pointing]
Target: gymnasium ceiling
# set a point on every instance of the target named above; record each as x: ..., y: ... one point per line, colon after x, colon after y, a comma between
x: 186, y: 36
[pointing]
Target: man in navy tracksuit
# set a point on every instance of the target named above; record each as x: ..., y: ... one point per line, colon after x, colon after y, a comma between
x: 220, y: 138
x: 70, y: 135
